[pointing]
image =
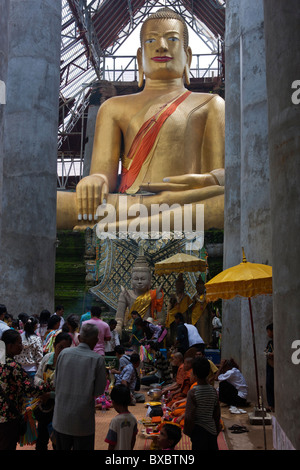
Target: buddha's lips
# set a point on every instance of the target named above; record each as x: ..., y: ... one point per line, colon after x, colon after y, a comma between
x: 162, y: 58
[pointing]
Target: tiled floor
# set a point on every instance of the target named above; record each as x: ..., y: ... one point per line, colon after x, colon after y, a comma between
x: 252, y: 440
x: 142, y: 443
x: 102, y: 424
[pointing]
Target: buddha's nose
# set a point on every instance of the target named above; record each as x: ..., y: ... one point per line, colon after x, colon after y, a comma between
x: 162, y: 45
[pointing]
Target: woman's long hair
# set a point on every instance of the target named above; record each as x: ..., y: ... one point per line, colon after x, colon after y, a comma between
x: 30, y: 327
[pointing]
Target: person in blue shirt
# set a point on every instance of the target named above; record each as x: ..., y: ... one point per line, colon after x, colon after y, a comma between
x: 129, y: 377
x: 86, y: 316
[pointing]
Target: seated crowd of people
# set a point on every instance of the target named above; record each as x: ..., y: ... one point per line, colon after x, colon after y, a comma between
x: 192, y: 386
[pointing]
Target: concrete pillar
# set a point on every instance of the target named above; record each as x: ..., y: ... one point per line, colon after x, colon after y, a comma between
x: 247, y: 206
x: 231, y: 317
x: 283, y: 69
x: 255, y: 191
x: 28, y: 231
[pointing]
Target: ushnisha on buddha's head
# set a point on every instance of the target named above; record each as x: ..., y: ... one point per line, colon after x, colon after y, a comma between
x: 164, y: 53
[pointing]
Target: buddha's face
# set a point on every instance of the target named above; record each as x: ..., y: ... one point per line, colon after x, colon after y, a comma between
x: 162, y: 54
x: 140, y: 280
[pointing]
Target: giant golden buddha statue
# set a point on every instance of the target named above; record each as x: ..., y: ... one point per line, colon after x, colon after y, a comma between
x: 170, y: 140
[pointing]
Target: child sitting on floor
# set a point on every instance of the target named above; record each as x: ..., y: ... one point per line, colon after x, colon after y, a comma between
x: 123, y: 427
x: 169, y: 436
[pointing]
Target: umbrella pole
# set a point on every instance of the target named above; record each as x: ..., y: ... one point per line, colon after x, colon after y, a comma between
x: 254, y: 350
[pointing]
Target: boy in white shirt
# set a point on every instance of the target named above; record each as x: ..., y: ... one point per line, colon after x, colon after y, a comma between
x: 114, y: 339
x: 123, y: 427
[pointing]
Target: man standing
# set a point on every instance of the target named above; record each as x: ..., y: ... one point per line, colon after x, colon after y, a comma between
x: 79, y: 378
x: 3, y: 325
x: 182, y: 338
x: 217, y: 328
x: 59, y: 311
x: 104, y: 333
x: 115, y: 339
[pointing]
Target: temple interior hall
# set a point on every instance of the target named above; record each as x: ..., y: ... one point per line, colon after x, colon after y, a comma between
x: 61, y: 63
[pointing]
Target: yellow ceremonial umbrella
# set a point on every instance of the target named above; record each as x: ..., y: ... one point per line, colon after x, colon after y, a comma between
x: 179, y: 263
x: 245, y: 280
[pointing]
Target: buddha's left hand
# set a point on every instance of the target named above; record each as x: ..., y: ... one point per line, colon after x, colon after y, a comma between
x: 181, y: 183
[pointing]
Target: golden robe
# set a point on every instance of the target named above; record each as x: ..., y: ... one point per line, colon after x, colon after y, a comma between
x: 181, y: 307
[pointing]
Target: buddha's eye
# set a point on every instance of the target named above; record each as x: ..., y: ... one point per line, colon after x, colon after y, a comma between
x: 149, y: 41
x: 172, y: 38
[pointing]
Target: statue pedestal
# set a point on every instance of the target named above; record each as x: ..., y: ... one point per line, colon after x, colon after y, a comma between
x: 115, y: 258
x: 260, y: 416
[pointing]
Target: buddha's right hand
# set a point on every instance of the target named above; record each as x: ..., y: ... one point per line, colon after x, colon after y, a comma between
x: 90, y: 192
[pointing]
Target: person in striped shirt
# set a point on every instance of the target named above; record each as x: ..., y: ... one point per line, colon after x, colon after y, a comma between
x: 202, y: 415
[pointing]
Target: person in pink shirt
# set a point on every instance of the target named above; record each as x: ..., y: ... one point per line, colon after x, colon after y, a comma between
x: 104, y: 330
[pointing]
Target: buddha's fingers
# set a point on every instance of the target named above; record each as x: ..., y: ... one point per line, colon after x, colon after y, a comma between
x: 158, y: 187
x: 79, y: 202
x: 91, y: 196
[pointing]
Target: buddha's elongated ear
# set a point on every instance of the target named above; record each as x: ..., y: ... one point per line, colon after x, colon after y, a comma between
x: 140, y: 67
x: 188, y: 64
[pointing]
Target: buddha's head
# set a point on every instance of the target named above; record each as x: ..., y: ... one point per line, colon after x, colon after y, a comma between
x: 141, y: 275
x: 164, y: 53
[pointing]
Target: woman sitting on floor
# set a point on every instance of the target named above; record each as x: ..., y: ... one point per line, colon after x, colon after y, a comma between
x: 233, y: 389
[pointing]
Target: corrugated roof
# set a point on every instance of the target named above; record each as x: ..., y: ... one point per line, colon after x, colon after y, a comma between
x: 109, y: 18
